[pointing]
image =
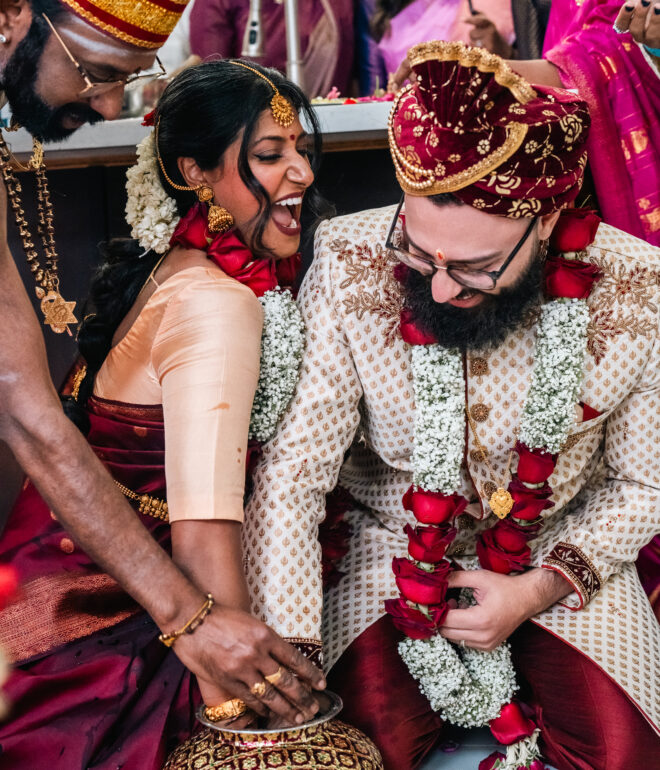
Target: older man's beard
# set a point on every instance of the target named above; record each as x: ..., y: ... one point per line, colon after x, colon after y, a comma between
x: 28, y: 108
x: 484, y: 326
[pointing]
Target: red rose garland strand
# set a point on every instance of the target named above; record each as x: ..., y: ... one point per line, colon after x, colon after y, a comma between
x: 231, y: 255
x: 422, y: 577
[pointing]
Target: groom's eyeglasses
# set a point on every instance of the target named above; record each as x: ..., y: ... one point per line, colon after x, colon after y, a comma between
x: 483, y: 280
x: 93, y: 86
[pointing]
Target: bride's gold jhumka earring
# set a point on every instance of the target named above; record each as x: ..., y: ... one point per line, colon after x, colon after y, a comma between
x: 220, y: 220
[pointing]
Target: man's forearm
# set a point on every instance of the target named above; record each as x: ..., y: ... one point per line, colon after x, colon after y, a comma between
x: 85, y: 500
x: 544, y: 589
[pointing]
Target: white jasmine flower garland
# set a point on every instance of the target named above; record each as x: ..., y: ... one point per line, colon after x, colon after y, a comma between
x: 150, y: 211
x: 469, y: 687
x: 561, y: 346
x: 282, y: 345
x: 439, y: 418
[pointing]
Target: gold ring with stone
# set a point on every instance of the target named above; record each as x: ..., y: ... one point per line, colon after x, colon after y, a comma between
x: 227, y: 710
x: 258, y: 689
x: 275, y: 678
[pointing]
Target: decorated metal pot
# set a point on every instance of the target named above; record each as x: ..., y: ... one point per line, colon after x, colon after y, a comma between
x: 325, y: 742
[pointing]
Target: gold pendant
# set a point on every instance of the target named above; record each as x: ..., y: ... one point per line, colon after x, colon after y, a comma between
x: 501, y: 503
x: 58, y: 313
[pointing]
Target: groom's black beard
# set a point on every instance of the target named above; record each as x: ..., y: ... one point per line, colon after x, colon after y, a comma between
x: 484, y: 326
x: 19, y: 84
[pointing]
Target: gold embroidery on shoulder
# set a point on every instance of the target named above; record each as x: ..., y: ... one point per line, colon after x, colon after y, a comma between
x: 373, y: 266
x: 623, y: 294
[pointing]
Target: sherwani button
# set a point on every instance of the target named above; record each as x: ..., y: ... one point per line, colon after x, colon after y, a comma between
x: 479, y: 412
x: 479, y: 367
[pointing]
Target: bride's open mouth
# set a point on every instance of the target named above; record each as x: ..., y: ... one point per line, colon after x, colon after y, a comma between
x: 286, y: 214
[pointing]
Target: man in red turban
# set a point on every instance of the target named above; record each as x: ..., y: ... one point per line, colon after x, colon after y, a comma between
x: 481, y: 377
x: 64, y: 63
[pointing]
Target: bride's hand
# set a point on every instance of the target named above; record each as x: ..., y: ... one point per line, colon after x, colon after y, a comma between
x: 215, y: 696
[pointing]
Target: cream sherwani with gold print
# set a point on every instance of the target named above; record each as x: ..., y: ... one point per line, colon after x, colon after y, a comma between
x: 356, y: 393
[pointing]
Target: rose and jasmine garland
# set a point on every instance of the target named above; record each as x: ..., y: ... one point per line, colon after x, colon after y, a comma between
x: 155, y: 223
x: 469, y: 687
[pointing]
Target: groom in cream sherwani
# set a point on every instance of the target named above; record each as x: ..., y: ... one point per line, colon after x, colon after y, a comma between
x: 486, y: 162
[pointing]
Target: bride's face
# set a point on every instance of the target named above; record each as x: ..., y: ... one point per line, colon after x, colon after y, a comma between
x: 278, y: 158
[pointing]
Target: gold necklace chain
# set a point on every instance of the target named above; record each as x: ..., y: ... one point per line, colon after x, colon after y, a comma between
x: 501, y: 501
x: 58, y: 314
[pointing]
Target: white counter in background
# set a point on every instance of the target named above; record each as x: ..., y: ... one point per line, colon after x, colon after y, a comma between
x: 344, y: 127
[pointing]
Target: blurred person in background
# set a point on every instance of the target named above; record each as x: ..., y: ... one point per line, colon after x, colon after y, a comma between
x: 609, y: 53
x: 530, y: 19
x: 217, y: 28
x: 396, y: 25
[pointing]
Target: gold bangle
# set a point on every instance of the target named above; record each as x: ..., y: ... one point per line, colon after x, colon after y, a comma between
x: 194, y: 623
x: 230, y: 709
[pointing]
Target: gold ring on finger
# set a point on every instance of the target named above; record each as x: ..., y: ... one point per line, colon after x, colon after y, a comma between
x: 274, y: 679
x: 227, y: 710
x: 258, y: 689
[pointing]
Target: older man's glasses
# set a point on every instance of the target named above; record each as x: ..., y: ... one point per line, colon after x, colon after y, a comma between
x: 483, y: 280
x: 93, y: 86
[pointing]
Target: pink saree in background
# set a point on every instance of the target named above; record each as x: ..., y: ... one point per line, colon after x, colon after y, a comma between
x: 623, y: 92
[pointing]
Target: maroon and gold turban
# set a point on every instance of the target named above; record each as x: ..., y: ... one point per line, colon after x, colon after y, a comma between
x: 468, y: 125
x: 143, y: 23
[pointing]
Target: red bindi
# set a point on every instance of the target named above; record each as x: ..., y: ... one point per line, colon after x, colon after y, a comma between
x: 439, y: 255
x: 292, y: 137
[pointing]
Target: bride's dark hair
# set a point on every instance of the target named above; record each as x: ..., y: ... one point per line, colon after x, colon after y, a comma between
x: 200, y: 114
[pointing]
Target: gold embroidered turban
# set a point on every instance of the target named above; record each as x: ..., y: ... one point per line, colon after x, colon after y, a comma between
x: 470, y: 126
x: 144, y: 23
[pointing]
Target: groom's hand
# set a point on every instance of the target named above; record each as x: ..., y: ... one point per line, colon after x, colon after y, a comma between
x: 503, y: 603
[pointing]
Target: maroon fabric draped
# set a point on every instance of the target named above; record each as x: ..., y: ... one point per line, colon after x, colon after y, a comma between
x: 586, y: 721
x: 92, y: 686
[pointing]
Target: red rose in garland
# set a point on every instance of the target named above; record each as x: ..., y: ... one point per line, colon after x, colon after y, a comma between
x: 429, y: 544
x: 433, y: 507
x: 192, y: 230
x: 569, y: 278
x: 411, y: 332
x: 534, y: 465
x: 413, y: 623
x: 421, y: 586
x: 575, y: 230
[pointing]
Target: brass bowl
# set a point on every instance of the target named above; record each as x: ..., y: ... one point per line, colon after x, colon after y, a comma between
x: 323, y: 743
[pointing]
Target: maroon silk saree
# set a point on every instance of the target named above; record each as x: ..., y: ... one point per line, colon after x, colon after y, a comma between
x: 92, y: 686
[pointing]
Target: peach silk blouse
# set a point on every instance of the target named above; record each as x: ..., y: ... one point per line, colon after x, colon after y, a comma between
x: 195, y: 349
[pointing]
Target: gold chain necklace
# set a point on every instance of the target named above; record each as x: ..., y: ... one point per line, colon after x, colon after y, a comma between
x: 58, y: 313
x: 501, y: 501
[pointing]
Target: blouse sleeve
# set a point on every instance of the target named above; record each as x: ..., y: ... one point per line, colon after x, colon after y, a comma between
x: 206, y: 356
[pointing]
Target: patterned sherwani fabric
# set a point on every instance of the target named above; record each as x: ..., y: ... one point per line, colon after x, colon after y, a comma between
x: 356, y: 393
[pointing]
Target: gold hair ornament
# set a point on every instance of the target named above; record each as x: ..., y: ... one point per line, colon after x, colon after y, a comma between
x: 280, y: 107
x: 220, y: 220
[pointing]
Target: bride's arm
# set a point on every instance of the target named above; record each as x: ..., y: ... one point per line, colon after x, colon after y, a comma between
x: 206, y: 356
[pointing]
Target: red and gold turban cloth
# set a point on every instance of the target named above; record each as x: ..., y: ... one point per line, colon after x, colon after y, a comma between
x: 470, y: 126
x: 143, y: 23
